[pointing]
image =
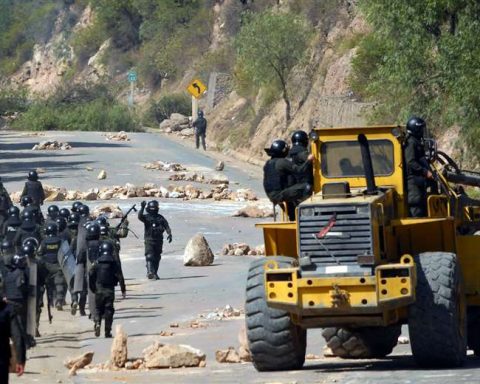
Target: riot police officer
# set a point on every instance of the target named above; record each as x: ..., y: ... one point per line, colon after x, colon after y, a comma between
x: 155, y: 225
x: 109, y: 235
x: 34, y: 189
x: 276, y: 174
x: 63, y: 231
x: 27, y: 203
x: 65, y: 213
x: 5, y: 203
x: 11, y: 225
x: 298, y: 153
x: 200, y: 128
x: 52, y: 214
x: 75, y: 206
x: 7, y: 252
x: 416, y: 167
x: 28, y: 229
x: 48, y: 254
x: 103, y: 277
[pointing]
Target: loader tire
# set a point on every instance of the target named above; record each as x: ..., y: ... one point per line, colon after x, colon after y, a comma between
x: 275, y: 342
x: 437, y: 319
x: 362, y: 343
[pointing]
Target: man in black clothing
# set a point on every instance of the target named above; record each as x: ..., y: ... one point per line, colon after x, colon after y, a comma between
x: 10, y: 328
x: 299, y: 155
x: 34, y: 189
x: 28, y: 229
x: 52, y: 214
x: 417, y: 168
x: 11, y: 225
x: 155, y: 224
x: 27, y: 203
x: 103, y: 277
x: 200, y: 128
x: 276, y: 175
x: 5, y: 203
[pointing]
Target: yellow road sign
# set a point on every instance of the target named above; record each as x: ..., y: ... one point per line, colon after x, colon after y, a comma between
x: 196, y: 88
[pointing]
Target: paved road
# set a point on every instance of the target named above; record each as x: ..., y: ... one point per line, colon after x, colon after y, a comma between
x: 183, y: 293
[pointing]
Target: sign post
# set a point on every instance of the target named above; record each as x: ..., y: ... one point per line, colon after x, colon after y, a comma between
x: 132, y: 79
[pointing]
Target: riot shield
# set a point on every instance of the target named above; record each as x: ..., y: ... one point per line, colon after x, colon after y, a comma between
x: 66, y: 259
x: 32, y: 298
x: 78, y: 278
x: 91, y: 295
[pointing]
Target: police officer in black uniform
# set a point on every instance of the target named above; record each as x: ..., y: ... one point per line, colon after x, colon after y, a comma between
x: 7, y: 251
x: 27, y: 203
x: 200, y: 128
x: 416, y: 167
x: 65, y: 213
x: 276, y: 175
x: 5, y: 203
x: 11, y: 225
x: 48, y: 254
x: 63, y: 231
x: 103, y: 277
x: 34, y: 189
x: 11, y: 329
x: 28, y: 229
x: 75, y: 206
x: 298, y: 153
x: 155, y: 224
x: 52, y: 214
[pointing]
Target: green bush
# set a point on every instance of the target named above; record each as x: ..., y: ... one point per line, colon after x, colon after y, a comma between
x: 12, y: 100
x: 163, y: 108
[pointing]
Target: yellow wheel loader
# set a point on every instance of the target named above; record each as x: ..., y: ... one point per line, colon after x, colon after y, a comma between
x: 355, y: 264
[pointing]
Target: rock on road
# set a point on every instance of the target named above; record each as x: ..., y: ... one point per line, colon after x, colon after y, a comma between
x: 183, y: 294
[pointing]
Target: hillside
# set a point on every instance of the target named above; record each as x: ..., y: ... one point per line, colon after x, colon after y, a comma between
x: 334, y: 62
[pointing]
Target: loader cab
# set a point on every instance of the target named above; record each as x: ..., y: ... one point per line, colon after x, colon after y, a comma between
x: 339, y: 170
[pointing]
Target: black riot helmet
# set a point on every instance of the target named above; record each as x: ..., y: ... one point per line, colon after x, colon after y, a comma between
x: 279, y: 148
x: 83, y: 210
x: 102, y: 220
x: 33, y: 176
x: 31, y: 242
x: 76, y: 205
x: 152, y: 206
x: 53, y: 211
x: 416, y: 127
x: 73, y: 219
x: 28, y: 215
x: 28, y: 250
x: 103, y: 230
x: 300, y: 138
x: 51, y: 230
x: 106, y: 248
x: 13, y: 211
x: 61, y: 223
x: 65, y: 213
x: 200, y: 113
x: 19, y: 261
x: 6, y: 245
x: 26, y: 201
x: 93, y: 231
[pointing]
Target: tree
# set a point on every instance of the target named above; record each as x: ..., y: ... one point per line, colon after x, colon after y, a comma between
x: 422, y: 58
x: 269, y: 46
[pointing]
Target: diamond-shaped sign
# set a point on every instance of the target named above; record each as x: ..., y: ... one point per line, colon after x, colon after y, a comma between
x: 196, y: 88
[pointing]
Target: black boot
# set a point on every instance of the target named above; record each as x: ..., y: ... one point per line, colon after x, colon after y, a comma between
x: 97, y: 328
x: 108, y: 333
x: 156, y: 263
x: 74, y: 307
x: 150, y: 271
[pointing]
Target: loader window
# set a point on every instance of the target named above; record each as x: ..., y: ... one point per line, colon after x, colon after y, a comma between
x: 344, y: 158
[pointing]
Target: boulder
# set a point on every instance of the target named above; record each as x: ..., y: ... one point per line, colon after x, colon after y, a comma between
x: 254, y: 211
x: 89, y: 196
x: 179, y: 118
x: 112, y: 211
x: 15, y: 196
x: 260, y: 249
x: 72, y: 195
x: 166, y: 124
x: 119, y: 350
x: 227, y: 356
x: 219, y: 178
x: 197, y: 252
x: 220, y: 166
x: 56, y: 196
x: 76, y: 363
x: 187, y: 132
x: 243, y: 350
x: 102, y: 175
x: 106, y: 195
x: 245, y: 194
x: 172, y: 356
x: 119, y: 136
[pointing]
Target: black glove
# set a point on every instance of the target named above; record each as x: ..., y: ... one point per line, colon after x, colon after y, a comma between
x: 143, y: 204
x: 169, y: 238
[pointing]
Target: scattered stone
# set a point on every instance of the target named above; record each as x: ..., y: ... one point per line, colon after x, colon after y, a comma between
x: 111, y: 211
x: 223, y: 313
x: 220, y: 166
x: 119, y: 350
x: 79, y: 362
x: 238, y: 249
x: 260, y: 249
x: 244, y: 194
x: 229, y: 355
x: 166, y: 333
x: 254, y: 211
x: 179, y: 118
x: 164, y: 166
x: 90, y: 169
x: 219, y: 178
x: 198, y: 252
x: 41, y: 170
x: 119, y: 136
x: 89, y: 196
x: 102, y: 175
x: 51, y: 145
x: 327, y: 352
x: 186, y: 132
x: 311, y: 356
x: 403, y: 340
x: 56, y: 196
x: 172, y: 356
x: 174, y: 325
x: 202, y: 364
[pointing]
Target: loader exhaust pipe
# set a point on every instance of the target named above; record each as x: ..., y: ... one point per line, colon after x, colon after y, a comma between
x: 470, y: 179
x: 367, y: 164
